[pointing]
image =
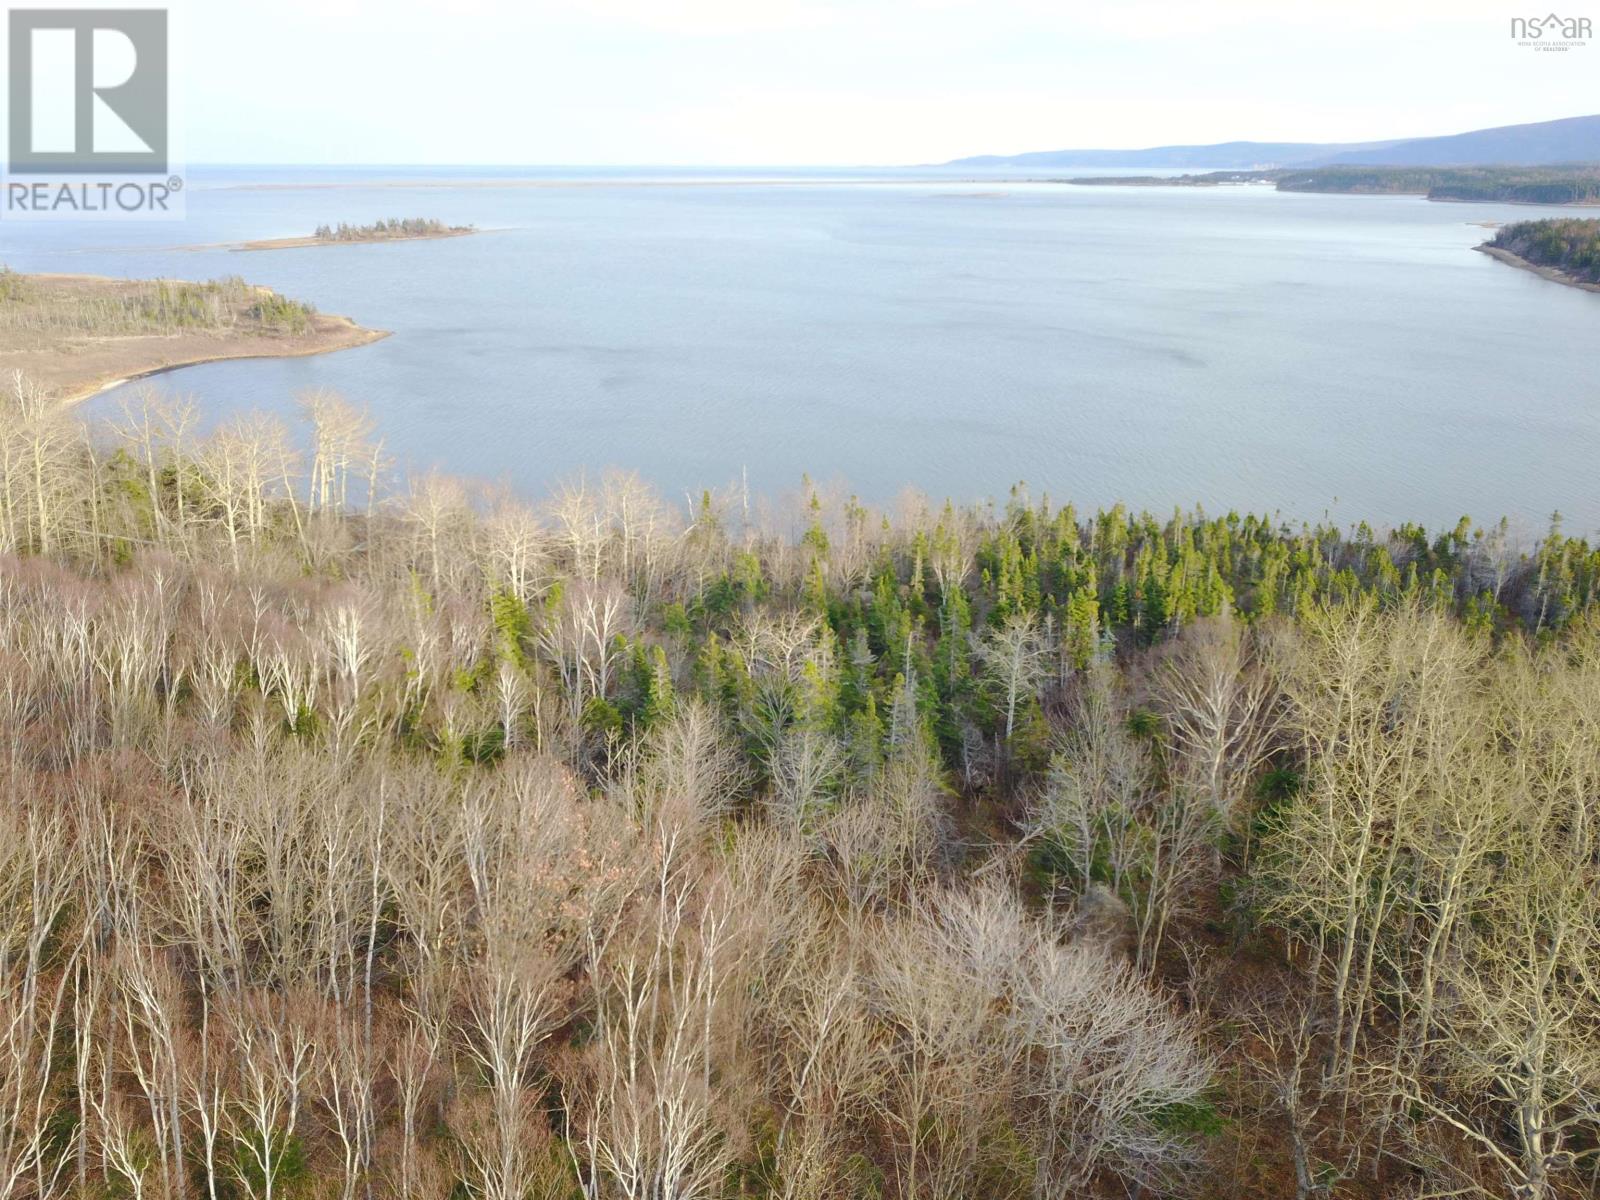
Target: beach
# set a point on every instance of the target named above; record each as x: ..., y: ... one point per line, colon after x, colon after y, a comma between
x: 1554, y: 274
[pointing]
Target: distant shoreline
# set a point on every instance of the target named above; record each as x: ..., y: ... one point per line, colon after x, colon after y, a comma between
x: 1554, y: 187
x: 1200, y: 181
x: 1554, y: 274
x: 1594, y: 203
x: 567, y: 184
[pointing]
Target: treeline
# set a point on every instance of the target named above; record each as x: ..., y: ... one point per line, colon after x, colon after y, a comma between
x: 50, y: 309
x: 1572, y: 246
x: 1518, y: 185
x: 450, y: 846
x: 392, y: 227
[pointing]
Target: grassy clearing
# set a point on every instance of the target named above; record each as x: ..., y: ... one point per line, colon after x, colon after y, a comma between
x: 43, y: 307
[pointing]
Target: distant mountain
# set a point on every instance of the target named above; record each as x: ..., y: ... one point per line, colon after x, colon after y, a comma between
x: 1569, y: 140
x: 1543, y: 143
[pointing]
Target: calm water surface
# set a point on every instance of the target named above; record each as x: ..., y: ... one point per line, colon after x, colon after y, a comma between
x: 1231, y: 347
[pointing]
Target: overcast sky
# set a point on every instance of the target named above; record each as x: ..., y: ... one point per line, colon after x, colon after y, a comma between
x: 857, y: 81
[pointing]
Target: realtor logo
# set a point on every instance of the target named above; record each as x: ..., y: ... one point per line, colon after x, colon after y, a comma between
x: 88, y: 92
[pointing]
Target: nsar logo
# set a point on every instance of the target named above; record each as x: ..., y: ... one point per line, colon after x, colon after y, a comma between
x: 1551, y: 32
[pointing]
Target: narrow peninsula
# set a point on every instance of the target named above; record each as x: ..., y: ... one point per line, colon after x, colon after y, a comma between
x: 1565, y: 251
x: 394, y: 229
x: 1506, y: 185
x: 75, y: 335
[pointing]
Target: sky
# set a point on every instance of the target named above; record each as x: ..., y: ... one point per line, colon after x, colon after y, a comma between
x: 742, y: 82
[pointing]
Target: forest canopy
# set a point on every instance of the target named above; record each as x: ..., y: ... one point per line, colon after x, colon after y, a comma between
x: 375, y: 838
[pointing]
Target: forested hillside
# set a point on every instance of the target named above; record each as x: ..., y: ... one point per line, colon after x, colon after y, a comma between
x: 459, y: 845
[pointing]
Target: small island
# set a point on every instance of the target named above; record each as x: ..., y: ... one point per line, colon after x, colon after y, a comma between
x: 1565, y: 251
x: 394, y: 229
x: 75, y: 335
